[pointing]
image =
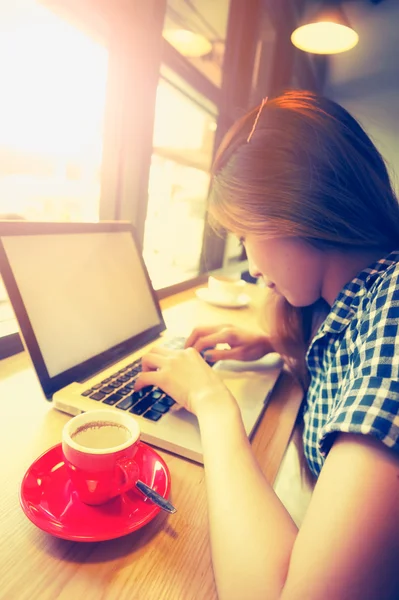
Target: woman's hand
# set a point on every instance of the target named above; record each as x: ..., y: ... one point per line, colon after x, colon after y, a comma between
x: 184, y: 375
x: 244, y: 345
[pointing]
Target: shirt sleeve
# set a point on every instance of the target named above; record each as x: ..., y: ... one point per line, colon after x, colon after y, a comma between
x: 368, y: 402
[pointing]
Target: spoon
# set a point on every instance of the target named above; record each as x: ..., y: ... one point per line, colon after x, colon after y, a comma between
x: 155, y: 497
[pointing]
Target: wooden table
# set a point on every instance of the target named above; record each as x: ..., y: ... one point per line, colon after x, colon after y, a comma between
x: 169, y: 559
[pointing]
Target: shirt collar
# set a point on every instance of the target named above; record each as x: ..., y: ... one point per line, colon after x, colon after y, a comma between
x: 344, y: 307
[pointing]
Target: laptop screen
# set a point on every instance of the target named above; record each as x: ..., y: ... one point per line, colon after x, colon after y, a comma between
x: 84, y: 293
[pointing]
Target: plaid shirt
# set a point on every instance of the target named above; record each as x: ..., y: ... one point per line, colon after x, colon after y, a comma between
x: 354, y: 364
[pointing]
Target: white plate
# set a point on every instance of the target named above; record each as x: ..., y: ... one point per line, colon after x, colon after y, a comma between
x: 205, y: 294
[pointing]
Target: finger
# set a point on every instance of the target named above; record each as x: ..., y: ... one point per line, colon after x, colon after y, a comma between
x: 232, y: 354
x: 196, y: 334
x: 162, y: 350
x: 226, y: 336
x: 199, y: 332
x: 146, y: 379
x: 152, y: 361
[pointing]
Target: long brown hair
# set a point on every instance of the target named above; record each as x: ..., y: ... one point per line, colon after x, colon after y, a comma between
x: 309, y: 171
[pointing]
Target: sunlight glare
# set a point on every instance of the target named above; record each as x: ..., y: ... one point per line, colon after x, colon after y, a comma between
x: 53, y: 84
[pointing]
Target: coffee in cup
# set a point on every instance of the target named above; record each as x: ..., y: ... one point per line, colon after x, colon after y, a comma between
x: 99, y: 449
x: 101, y: 435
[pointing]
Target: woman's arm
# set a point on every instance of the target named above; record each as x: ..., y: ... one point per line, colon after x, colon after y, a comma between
x: 251, y: 532
x: 348, y: 545
x: 252, y: 535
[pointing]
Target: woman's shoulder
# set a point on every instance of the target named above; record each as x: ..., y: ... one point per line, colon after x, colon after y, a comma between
x: 385, y: 279
x: 374, y: 328
x: 380, y: 290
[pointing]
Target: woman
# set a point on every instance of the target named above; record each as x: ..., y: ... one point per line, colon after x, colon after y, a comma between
x: 302, y: 185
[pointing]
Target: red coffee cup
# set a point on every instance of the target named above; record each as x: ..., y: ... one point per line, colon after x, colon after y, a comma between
x: 99, y: 448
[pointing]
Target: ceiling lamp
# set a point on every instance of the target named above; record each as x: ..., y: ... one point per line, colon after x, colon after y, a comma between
x: 328, y: 32
x: 188, y: 43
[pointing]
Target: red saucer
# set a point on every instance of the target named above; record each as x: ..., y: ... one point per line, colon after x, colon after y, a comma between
x: 50, y: 502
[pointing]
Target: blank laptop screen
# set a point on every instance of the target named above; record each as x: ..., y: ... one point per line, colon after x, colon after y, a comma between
x: 84, y: 293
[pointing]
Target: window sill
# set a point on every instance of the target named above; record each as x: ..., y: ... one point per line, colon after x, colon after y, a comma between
x: 10, y: 344
x: 232, y: 268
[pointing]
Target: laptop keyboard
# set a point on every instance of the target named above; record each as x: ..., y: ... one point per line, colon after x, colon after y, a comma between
x: 118, y: 390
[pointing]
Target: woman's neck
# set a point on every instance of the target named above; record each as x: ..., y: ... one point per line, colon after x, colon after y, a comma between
x: 342, y: 267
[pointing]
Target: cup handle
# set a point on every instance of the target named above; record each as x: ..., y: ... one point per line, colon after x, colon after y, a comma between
x: 130, y: 474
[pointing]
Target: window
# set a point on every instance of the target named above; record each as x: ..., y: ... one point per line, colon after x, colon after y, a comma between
x: 53, y: 83
x: 52, y: 101
x: 184, y: 130
x: 222, y: 49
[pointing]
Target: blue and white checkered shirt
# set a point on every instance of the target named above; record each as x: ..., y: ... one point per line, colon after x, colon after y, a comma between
x: 354, y: 364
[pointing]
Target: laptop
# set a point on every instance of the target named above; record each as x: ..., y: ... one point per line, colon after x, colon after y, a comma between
x: 87, y: 312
